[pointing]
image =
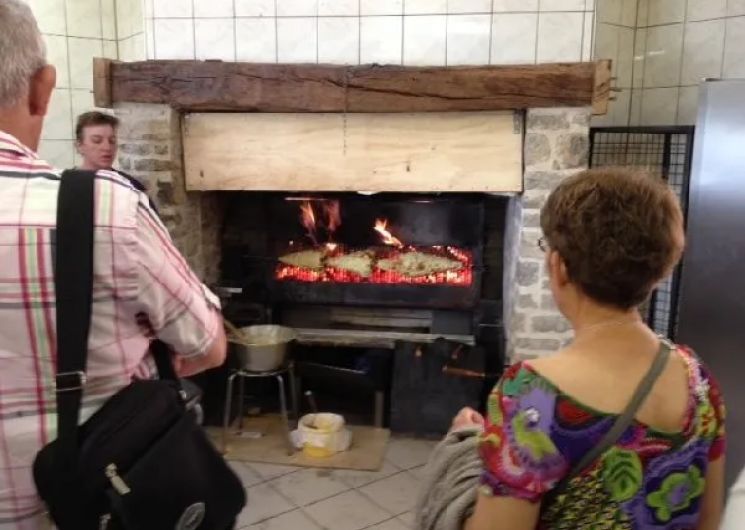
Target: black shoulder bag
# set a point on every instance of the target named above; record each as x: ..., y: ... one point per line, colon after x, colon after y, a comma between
x: 140, y: 462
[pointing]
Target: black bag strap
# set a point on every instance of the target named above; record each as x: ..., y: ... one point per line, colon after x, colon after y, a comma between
x: 73, y: 268
x: 625, y: 419
x: 73, y: 279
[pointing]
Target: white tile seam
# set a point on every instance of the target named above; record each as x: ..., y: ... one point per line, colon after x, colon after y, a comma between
x: 70, y: 84
x: 682, y: 60
x: 491, y: 30
x: 724, y: 42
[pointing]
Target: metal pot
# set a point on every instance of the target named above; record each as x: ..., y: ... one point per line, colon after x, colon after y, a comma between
x: 261, y: 348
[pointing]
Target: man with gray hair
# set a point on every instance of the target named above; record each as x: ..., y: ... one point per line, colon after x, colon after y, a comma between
x: 142, y: 286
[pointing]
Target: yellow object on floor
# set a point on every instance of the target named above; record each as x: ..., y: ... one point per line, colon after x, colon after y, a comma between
x: 365, y: 454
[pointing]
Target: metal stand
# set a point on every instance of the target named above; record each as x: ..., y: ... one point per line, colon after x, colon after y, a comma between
x: 278, y: 375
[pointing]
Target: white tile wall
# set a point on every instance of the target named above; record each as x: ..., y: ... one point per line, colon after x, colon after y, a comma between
x: 58, y: 122
x: 659, y: 106
x: 469, y: 6
x: 213, y: 8
x: 256, y: 40
x: 50, y: 15
x: 625, y: 58
x: 703, y: 49
x: 254, y: 8
x: 108, y: 19
x: 129, y: 18
x: 628, y: 12
x: 640, y: 54
x: 705, y: 9
x: 635, y: 109
x: 110, y: 49
x: 676, y: 43
x: 339, y: 40
x: 57, y: 55
x: 381, y: 7
x: 559, y: 37
x: 82, y: 52
x: 687, y: 105
x: 665, y: 12
x: 84, y: 18
x: 297, y: 40
x: 297, y: 8
x: 59, y: 153
x: 82, y: 101
x: 468, y: 39
x: 514, y: 38
x: 588, y: 36
x: 425, y: 40
x: 735, y: 8
x: 506, y: 6
x: 338, y: 7
x: 214, y: 38
x: 606, y: 44
x: 425, y: 7
x: 132, y: 48
x: 381, y: 40
x: 664, y: 48
x: 174, y: 38
x: 173, y: 8
x: 562, y: 5
x: 610, y: 11
x: 734, y: 58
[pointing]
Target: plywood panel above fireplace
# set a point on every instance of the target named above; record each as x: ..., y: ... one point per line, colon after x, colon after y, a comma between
x: 418, y: 152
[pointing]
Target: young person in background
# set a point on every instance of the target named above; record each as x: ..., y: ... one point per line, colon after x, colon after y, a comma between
x: 96, y: 142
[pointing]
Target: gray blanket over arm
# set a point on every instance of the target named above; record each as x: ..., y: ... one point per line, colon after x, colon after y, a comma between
x: 451, y: 479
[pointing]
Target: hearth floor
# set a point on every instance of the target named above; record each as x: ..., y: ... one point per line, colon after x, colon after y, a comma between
x: 291, y: 498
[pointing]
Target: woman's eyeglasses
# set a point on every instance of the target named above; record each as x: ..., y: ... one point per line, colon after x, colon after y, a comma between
x: 543, y: 244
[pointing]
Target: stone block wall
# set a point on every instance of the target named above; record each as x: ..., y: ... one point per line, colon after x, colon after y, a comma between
x: 151, y: 151
x: 556, y: 146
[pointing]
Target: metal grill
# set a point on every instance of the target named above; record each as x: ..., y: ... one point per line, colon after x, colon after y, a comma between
x: 663, y: 151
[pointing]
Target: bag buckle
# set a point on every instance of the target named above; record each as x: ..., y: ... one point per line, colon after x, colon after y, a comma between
x: 70, y: 381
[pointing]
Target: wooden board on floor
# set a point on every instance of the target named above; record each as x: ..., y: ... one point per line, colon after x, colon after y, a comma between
x: 366, y: 454
x: 425, y: 152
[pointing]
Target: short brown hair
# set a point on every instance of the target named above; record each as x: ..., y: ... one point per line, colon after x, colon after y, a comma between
x: 616, y: 230
x: 88, y: 119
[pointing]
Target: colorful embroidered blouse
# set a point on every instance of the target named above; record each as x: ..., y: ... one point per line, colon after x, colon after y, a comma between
x: 535, y: 434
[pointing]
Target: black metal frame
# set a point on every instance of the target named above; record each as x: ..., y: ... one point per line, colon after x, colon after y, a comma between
x: 654, y: 148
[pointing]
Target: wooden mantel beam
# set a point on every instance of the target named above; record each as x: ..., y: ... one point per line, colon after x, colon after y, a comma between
x: 246, y: 87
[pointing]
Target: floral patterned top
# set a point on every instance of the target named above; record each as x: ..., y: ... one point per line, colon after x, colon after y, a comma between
x: 535, y: 434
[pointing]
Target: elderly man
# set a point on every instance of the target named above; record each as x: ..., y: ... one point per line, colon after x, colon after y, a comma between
x: 142, y: 285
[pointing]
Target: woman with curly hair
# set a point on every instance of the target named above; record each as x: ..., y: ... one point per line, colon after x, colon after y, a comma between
x: 609, y: 237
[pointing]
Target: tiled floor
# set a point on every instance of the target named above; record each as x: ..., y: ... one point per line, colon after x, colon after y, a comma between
x: 290, y: 498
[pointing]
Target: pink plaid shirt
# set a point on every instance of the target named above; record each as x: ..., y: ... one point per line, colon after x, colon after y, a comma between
x: 142, y: 286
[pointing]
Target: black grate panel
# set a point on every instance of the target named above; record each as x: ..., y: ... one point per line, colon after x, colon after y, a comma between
x: 663, y: 151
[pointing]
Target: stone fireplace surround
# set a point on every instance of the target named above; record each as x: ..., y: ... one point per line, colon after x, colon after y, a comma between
x: 555, y: 147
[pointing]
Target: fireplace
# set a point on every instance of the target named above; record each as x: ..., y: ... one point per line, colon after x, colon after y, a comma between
x: 362, y: 276
x: 440, y: 267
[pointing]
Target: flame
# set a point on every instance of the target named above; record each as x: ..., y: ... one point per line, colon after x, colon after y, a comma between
x: 332, y: 211
x: 331, y: 246
x: 308, y: 219
x: 381, y: 227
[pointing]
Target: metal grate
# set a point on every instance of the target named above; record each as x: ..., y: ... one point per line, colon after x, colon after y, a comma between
x: 664, y: 151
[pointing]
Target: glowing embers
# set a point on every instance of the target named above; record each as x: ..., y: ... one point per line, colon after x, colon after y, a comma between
x: 407, y: 265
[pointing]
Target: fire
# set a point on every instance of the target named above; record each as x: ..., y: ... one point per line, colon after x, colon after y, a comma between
x: 308, y: 219
x: 381, y: 227
x: 332, y: 211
